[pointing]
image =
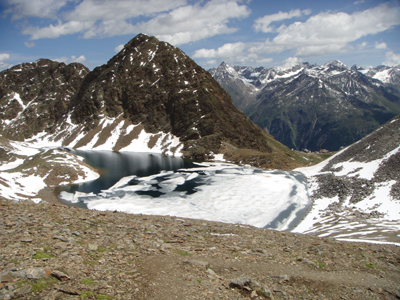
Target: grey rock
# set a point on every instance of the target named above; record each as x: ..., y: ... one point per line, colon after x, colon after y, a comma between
x: 60, y: 275
x: 309, y: 262
x: 6, y: 277
x: 61, y: 239
x: 25, y: 289
x: 32, y: 273
x: 93, y: 247
x: 251, y: 284
x: 69, y: 290
x: 281, y: 277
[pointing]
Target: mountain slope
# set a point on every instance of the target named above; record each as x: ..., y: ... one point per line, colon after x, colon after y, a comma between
x: 34, y: 97
x: 157, y: 85
x: 314, y: 107
x: 150, y: 97
x: 359, y: 188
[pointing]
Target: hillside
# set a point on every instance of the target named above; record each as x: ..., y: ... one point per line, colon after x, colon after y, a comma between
x: 356, y: 192
x: 57, y: 252
x: 150, y: 97
x: 314, y: 107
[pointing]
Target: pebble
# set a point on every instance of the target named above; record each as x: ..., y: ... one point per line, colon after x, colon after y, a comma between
x: 206, y: 260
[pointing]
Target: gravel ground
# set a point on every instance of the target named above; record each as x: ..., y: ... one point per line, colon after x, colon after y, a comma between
x: 52, y: 251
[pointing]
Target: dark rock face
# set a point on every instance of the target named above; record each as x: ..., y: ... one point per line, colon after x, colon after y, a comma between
x: 313, y: 107
x: 34, y: 97
x: 149, y: 82
x: 383, y: 145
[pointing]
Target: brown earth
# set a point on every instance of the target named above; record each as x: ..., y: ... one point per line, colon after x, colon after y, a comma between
x: 52, y: 251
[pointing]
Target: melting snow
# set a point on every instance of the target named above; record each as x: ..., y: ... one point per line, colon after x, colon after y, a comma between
x: 322, y: 224
x: 383, y: 76
x: 230, y: 194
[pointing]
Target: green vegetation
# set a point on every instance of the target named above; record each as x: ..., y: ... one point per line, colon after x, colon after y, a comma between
x: 319, y: 264
x: 101, y: 249
x: 92, y: 295
x: 87, y: 281
x: 42, y: 254
x: 183, y: 253
x: 90, y: 262
x: 40, y: 284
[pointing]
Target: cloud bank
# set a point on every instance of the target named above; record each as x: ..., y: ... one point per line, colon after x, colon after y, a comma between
x: 173, y: 21
x: 330, y: 32
x: 321, y: 34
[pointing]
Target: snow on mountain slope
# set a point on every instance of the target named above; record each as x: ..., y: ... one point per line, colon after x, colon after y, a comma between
x: 25, y: 170
x: 356, y: 193
x: 149, y: 97
x: 313, y: 107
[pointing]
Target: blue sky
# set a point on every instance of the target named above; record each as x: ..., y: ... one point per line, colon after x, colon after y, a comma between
x: 239, y: 32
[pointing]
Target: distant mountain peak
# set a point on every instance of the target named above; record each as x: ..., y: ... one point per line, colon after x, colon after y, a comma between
x: 310, y: 106
x: 335, y: 63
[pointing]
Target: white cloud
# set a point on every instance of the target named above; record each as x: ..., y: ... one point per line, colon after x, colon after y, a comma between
x: 328, y: 33
x: 263, y: 24
x: 119, y: 48
x: 290, y: 62
x: 67, y: 60
x: 96, y: 18
x: 233, y: 53
x: 4, y: 66
x: 211, y: 62
x: 57, y: 30
x: 4, y: 57
x: 40, y: 9
x: 173, y: 21
x: 195, y: 22
x: 29, y: 44
x: 392, y: 59
x: 380, y: 45
x: 227, y: 50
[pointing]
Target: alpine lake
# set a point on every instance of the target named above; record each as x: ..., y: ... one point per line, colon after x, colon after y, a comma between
x: 151, y: 183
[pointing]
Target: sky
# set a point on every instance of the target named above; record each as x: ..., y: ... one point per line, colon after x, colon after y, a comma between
x: 240, y: 32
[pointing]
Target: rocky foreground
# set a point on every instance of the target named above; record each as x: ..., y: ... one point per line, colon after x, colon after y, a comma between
x: 52, y: 251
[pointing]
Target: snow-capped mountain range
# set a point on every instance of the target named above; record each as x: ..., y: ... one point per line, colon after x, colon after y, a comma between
x: 150, y: 97
x: 313, y: 107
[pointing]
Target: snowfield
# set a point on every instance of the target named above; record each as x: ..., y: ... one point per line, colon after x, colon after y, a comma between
x: 224, y: 193
x: 375, y: 219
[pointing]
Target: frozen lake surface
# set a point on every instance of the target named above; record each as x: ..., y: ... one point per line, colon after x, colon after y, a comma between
x: 158, y: 185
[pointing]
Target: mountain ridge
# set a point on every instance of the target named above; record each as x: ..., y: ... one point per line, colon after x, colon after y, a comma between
x: 359, y: 188
x: 149, y: 97
x: 313, y: 107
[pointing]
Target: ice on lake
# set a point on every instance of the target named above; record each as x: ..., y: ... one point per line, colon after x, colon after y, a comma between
x: 211, y: 191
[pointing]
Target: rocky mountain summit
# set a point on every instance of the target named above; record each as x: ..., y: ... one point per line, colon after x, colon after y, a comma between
x: 150, y: 97
x: 314, y: 107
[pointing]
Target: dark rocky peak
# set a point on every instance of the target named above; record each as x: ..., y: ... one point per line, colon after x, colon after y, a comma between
x: 155, y: 84
x: 43, y: 88
x: 223, y: 65
x: 335, y: 65
x: 250, y: 73
x: 381, y: 68
x: 356, y: 68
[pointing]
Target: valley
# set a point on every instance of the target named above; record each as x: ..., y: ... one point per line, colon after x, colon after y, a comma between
x: 311, y: 107
x: 204, y: 219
